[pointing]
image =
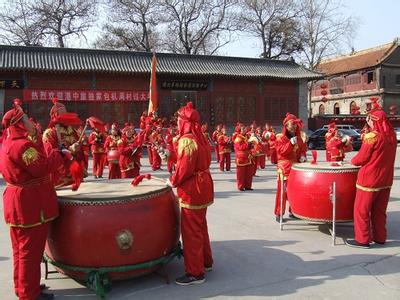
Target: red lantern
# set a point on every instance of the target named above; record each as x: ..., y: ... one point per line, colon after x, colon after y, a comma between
x: 323, y: 86
x: 324, y: 92
x: 324, y: 99
x: 354, y: 119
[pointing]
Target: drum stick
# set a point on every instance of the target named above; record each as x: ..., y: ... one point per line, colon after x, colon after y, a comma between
x: 83, y: 132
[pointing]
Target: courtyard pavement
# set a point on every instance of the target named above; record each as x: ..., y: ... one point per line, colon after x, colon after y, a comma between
x: 253, y: 258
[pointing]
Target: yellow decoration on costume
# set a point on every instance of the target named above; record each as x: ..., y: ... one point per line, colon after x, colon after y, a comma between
x: 370, y: 138
x: 119, y: 143
x: 30, y: 155
x: 188, y: 145
x: 47, y: 134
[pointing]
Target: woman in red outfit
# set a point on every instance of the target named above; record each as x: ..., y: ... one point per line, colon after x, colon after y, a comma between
x: 30, y: 201
x: 375, y: 178
x: 130, y: 150
x: 290, y: 149
x: 111, y: 144
x: 97, y: 140
x: 196, y: 191
x: 244, y: 163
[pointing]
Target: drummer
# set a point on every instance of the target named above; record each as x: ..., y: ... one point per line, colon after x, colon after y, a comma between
x: 30, y: 201
x: 196, y: 191
x: 290, y: 148
x: 375, y: 178
x: 336, y: 145
x: 111, y: 144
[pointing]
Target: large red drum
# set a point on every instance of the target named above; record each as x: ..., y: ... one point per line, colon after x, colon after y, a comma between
x: 109, y: 223
x: 113, y: 156
x: 308, y: 191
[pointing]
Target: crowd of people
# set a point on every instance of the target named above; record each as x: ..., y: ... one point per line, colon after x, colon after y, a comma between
x: 34, y: 164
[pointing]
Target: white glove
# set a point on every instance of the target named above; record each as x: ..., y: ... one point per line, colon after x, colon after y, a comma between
x: 168, y: 183
x: 303, y: 159
x: 293, y: 140
x: 67, y: 154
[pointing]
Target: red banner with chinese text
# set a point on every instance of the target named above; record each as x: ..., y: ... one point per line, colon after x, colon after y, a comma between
x: 85, y: 95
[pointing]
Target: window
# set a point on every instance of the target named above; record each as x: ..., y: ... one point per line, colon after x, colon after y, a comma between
x: 370, y: 77
x: 336, y: 109
x: 321, y: 109
x: 383, y: 81
x: 398, y: 79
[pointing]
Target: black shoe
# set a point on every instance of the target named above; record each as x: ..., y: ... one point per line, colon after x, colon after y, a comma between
x: 208, y: 269
x: 95, y: 177
x: 100, y: 177
x: 248, y: 189
x: 292, y: 216
x: 189, y: 280
x: 355, y: 244
x: 242, y: 189
x: 44, y: 296
x: 379, y: 243
x: 43, y: 287
x: 278, y: 219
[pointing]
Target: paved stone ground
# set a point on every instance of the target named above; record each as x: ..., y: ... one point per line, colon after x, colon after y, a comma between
x: 254, y: 259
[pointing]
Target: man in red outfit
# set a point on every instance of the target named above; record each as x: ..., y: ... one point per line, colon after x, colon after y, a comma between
x: 290, y: 149
x: 244, y: 163
x: 97, y: 140
x: 375, y: 178
x: 337, y: 146
x: 130, y: 150
x: 214, y: 137
x: 30, y: 201
x: 111, y: 145
x: 224, y: 149
x: 196, y: 191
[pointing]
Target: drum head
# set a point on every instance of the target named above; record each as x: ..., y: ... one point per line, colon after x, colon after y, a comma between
x: 325, y: 166
x: 116, y: 189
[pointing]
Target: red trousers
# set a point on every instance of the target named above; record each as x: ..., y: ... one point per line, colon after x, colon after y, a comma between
x: 28, y: 247
x: 156, y: 159
x: 244, y: 176
x: 274, y: 157
x: 225, y: 160
x: 99, y: 160
x: 196, y: 243
x: 217, y: 155
x: 114, y: 171
x: 278, y: 198
x: 370, y: 216
x: 150, y: 153
x: 171, y: 165
x: 132, y: 173
x: 261, y: 162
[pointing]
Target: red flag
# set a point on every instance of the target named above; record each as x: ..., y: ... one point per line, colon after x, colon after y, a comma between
x: 96, y: 123
x: 153, y: 96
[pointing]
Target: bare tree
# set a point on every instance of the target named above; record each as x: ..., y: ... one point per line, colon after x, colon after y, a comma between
x: 62, y: 19
x: 327, y: 29
x: 19, y: 24
x: 198, y: 26
x: 132, y: 25
x: 274, y: 23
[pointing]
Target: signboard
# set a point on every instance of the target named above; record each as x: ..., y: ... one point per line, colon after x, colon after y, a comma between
x: 184, y: 85
x: 11, y: 84
x: 85, y: 95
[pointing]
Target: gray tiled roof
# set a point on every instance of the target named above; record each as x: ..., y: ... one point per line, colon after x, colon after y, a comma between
x: 20, y: 58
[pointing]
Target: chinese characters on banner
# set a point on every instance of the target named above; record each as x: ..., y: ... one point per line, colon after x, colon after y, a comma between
x: 85, y: 95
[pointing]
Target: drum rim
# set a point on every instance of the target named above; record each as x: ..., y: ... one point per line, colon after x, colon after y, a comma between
x: 67, y: 200
x: 299, y: 167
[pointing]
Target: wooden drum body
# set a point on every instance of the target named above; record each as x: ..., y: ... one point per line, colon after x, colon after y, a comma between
x: 109, y: 223
x: 309, y: 188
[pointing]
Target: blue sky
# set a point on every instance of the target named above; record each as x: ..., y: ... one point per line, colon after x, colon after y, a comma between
x: 379, y: 24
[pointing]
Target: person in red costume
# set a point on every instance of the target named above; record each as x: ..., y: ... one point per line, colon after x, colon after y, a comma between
x: 97, y: 140
x: 157, y: 144
x: 85, y: 146
x: 214, y: 138
x: 290, y: 149
x: 130, y: 150
x: 265, y: 141
x: 374, y: 180
x: 330, y: 134
x: 337, y: 146
x: 257, y: 150
x: 111, y: 145
x: 171, y: 148
x: 30, y: 201
x: 224, y: 149
x: 66, y: 136
x: 272, y: 148
x: 244, y: 163
x: 196, y: 191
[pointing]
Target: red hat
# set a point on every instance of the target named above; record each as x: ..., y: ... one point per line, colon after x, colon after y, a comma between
x: 127, y: 128
x: 114, y: 126
x: 188, y: 113
x: 14, y: 115
x: 57, y: 106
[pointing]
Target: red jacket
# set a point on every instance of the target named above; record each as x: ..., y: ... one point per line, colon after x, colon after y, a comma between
x: 287, y: 153
x: 130, y: 154
x: 224, y: 144
x: 96, y: 141
x: 376, y: 158
x: 192, y: 174
x: 29, y: 198
x: 336, y: 149
x: 242, y: 151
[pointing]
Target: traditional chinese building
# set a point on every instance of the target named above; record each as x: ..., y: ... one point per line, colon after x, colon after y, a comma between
x: 352, y: 79
x: 113, y: 85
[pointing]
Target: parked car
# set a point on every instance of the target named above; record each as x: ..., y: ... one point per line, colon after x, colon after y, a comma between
x: 397, y: 130
x: 317, y: 139
x: 341, y: 126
